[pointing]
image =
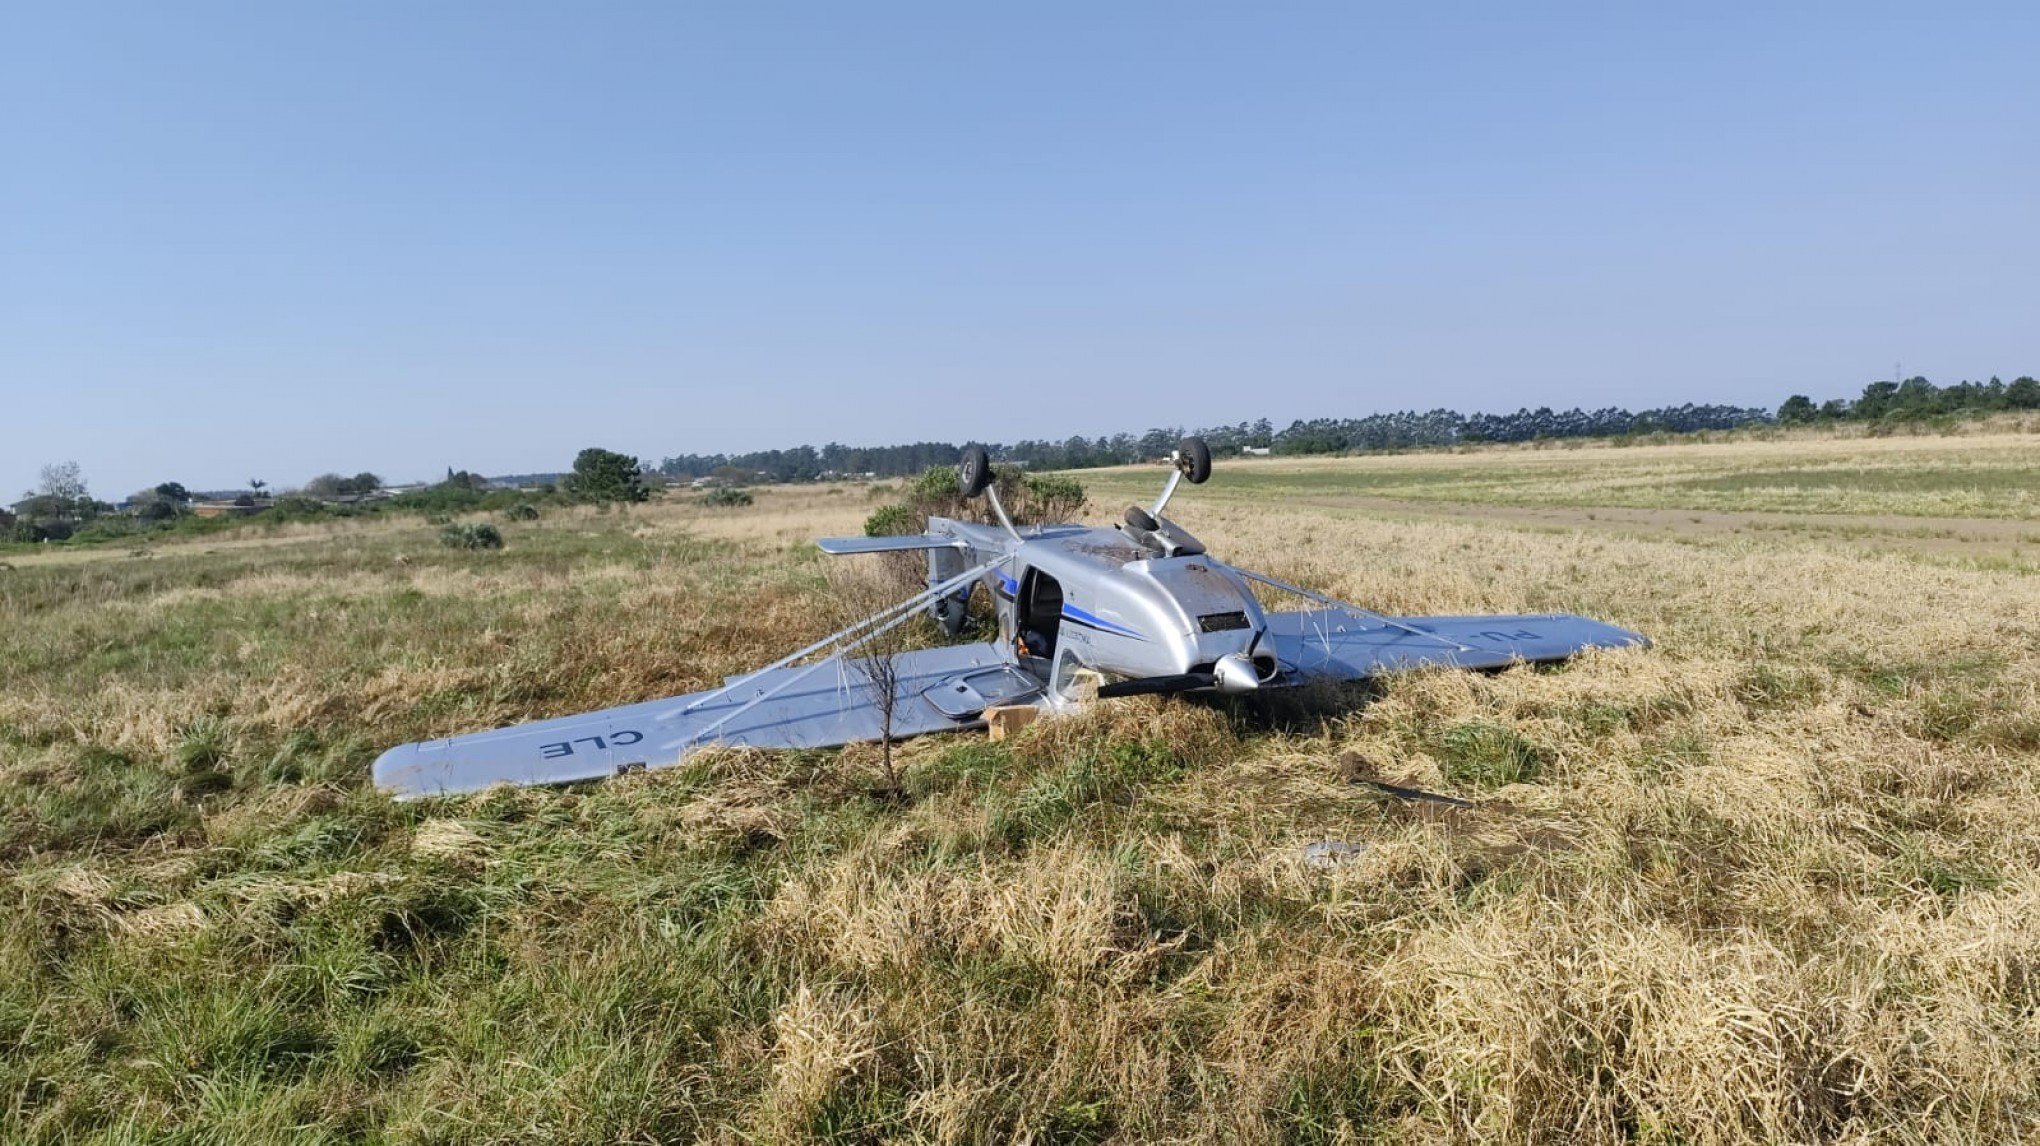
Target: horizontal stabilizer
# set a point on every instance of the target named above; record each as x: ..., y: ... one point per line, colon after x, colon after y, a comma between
x: 1338, y: 644
x: 901, y: 544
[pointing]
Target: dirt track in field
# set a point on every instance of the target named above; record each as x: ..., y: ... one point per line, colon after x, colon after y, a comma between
x: 1949, y: 536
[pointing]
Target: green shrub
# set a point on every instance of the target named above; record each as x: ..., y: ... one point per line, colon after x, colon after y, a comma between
x: 604, y: 475
x: 296, y: 507
x: 891, y: 521
x: 1031, y: 499
x: 726, y: 497
x: 1051, y: 498
x: 935, y: 486
x: 460, y: 493
x: 107, y: 529
x: 470, y: 535
x: 522, y: 511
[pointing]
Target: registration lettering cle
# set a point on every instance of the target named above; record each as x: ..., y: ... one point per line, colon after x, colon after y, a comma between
x: 566, y: 747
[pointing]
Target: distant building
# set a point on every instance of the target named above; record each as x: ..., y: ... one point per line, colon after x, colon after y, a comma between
x: 239, y: 507
x: 1255, y: 451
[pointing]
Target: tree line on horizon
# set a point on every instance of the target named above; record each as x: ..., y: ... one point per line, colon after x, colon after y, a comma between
x: 1400, y: 430
x: 61, y: 506
x: 1915, y: 398
x: 1407, y: 429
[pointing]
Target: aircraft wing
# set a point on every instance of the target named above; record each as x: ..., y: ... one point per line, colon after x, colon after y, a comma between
x: 939, y: 689
x: 1338, y: 644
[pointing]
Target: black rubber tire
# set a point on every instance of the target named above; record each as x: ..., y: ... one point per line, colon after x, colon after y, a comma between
x: 974, y: 472
x: 952, y: 613
x: 1194, y: 458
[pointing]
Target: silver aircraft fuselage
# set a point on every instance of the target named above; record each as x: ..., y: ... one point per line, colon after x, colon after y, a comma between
x: 1071, y: 596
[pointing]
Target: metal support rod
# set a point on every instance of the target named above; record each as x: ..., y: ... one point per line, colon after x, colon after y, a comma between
x: 907, y: 605
x: 900, y: 615
x: 796, y: 678
x: 992, y: 495
x: 1356, y: 610
x: 1168, y: 491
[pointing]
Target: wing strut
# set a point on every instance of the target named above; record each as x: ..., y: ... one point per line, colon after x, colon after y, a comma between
x: 1356, y: 610
x: 892, y: 618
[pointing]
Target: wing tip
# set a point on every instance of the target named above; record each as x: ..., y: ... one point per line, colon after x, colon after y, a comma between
x: 394, y: 771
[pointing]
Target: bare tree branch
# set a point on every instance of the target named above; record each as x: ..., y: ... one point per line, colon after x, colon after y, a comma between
x: 857, y: 593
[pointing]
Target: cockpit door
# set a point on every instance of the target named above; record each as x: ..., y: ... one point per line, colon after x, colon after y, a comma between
x: 1038, y: 613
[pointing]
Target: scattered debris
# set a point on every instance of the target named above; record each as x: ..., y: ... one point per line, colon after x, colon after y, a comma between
x: 1357, y: 769
x: 1332, y: 853
x: 1004, y: 720
x: 1495, y: 831
x: 1418, y: 794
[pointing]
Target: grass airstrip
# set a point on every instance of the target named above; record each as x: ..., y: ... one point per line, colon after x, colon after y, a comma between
x: 1775, y: 879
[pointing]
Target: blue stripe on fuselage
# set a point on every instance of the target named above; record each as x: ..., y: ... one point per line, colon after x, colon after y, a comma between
x: 1072, y: 613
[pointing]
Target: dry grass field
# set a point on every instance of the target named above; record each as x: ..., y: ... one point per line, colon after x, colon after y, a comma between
x: 1776, y: 879
x: 1983, y: 469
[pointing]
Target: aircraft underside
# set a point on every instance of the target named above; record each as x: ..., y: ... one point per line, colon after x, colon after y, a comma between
x: 939, y: 690
x: 1140, y: 604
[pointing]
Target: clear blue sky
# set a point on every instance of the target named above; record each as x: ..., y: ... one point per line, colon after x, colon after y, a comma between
x: 271, y: 240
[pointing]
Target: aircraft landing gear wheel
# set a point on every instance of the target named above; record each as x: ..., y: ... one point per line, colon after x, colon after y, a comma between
x: 974, y: 472
x: 1193, y: 457
x: 952, y: 613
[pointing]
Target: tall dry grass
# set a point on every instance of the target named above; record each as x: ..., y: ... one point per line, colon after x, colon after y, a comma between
x: 1772, y: 880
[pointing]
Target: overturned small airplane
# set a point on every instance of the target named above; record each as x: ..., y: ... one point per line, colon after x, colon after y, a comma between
x: 1141, y: 606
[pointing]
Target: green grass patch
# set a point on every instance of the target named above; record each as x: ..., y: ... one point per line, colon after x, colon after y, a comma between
x: 1483, y: 755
